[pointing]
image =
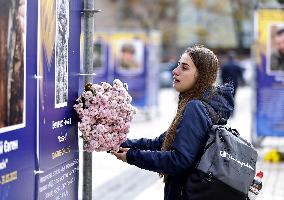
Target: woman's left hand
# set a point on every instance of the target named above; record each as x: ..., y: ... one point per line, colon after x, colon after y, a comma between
x: 121, y: 154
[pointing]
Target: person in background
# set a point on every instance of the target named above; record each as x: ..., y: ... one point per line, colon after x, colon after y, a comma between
x: 175, y: 152
x: 232, y: 72
x: 277, y: 56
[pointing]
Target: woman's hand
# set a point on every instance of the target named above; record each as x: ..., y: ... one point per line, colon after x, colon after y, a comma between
x: 121, y: 154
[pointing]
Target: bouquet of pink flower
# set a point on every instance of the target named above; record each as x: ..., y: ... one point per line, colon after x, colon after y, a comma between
x: 105, y: 112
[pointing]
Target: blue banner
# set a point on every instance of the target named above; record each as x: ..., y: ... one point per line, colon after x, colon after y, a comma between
x: 129, y: 64
x: 101, y: 68
x: 101, y: 65
x: 270, y: 73
x: 58, y: 68
x: 18, y: 113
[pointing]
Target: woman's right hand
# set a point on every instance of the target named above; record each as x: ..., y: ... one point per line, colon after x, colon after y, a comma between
x: 121, y: 154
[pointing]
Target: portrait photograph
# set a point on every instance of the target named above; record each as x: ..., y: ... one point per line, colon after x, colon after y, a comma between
x: 275, y: 49
x: 130, y: 56
x: 12, y: 64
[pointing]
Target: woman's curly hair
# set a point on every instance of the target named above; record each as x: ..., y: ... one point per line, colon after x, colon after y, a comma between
x: 207, y: 66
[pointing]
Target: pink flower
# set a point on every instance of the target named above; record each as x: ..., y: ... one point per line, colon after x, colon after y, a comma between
x: 106, y: 86
x: 105, y: 112
x: 95, y: 87
x: 117, y: 83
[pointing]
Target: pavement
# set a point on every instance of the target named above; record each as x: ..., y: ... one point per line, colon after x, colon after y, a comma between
x: 114, y: 179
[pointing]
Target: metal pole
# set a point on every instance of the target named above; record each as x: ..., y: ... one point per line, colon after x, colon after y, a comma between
x: 88, y: 12
x: 88, y: 39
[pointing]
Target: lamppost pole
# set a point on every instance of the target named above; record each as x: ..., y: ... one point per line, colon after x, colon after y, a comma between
x: 88, y: 14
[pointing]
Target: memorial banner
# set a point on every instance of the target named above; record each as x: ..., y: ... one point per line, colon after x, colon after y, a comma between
x: 101, y: 68
x: 17, y: 99
x: 129, y: 63
x: 58, y: 69
x: 269, y: 31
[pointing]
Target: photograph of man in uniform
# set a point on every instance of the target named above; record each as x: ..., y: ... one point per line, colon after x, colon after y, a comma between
x: 12, y: 27
x: 277, y: 53
x: 127, y: 58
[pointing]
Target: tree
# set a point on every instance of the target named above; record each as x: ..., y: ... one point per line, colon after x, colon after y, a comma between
x: 149, y: 15
x: 241, y: 10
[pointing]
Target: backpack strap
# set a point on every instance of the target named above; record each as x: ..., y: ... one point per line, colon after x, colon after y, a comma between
x: 214, y: 116
x: 216, y: 119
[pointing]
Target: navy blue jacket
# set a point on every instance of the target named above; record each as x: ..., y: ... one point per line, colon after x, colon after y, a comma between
x: 191, y: 136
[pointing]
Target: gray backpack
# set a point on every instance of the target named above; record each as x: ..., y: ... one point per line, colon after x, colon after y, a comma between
x: 226, y: 168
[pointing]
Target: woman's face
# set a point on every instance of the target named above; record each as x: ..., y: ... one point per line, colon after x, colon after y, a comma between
x: 185, y: 74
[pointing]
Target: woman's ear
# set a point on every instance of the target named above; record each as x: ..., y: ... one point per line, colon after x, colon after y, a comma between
x: 196, y: 75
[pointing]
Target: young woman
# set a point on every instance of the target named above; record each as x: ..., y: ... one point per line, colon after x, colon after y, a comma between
x: 175, y: 153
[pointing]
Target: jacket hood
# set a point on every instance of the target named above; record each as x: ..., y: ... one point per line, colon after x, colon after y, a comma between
x: 222, y: 101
